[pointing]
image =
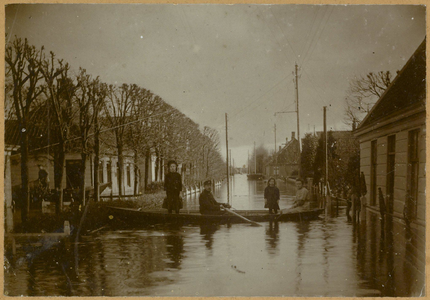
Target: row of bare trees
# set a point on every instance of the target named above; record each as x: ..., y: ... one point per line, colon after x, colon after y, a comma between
x: 83, y: 113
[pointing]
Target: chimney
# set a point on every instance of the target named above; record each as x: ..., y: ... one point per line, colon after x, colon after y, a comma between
x: 293, y: 135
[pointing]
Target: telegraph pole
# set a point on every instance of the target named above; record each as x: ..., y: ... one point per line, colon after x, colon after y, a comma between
x: 297, y: 112
x: 248, y: 161
x: 226, y: 146
x: 298, y: 123
x: 325, y: 150
x: 275, y: 138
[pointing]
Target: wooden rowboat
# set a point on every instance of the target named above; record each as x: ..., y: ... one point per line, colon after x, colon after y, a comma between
x: 132, y: 216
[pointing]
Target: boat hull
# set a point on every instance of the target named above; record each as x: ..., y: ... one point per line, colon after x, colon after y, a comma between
x: 133, y: 216
x: 256, y: 176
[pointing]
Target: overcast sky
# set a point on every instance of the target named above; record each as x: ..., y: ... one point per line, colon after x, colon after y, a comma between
x: 208, y: 60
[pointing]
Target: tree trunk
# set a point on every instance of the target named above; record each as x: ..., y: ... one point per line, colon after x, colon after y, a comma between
x: 25, y: 195
x: 157, y: 164
x: 161, y: 168
x: 59, y: 162
x: 120, y: 168
x: 96, y: 162
x: 136, y: 172
x: 147, y: 157
x: 82, y: 185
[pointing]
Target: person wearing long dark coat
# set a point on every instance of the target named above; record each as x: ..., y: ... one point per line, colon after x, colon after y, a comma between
x: 271, y: 196
x: 173, y: 188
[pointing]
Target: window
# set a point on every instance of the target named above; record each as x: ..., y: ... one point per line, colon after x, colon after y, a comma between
x: 373, y: 165
x: 391, y: 167
x: 101, y: 179
x: 412, y: 176
x: 128, y: 176
x: 109, y: 172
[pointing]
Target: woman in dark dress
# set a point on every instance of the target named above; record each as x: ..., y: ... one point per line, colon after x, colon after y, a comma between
x: 271, y: 196
x: 173, y: 187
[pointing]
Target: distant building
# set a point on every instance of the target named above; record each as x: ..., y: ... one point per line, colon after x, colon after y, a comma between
x: 393, y: 155
x: 285, y: 162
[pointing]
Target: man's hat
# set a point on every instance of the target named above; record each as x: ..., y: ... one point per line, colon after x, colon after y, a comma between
x: 207, y: 182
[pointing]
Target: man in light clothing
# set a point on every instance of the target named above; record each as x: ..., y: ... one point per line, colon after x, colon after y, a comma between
x: 302, y: 195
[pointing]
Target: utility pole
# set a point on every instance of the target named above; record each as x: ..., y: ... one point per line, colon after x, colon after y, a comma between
x: 248, y: 161
x: 226, y: 147
x: 275, y: 138
x: 298, y: 123
x: 229, y: 152
x: 276, y: 156
x: 255, y: 160
x: 325, y: 150
x: 297, y: 112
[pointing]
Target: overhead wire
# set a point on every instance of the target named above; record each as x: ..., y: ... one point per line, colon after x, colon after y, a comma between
x: 312, y: 41
x: 248, y: 107
x: 312, y: 26
x: 320, y: 34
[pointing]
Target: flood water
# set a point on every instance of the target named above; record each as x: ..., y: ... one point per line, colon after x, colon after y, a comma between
x: 325, y: 257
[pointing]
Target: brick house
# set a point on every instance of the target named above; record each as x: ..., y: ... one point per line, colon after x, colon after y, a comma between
x: 285, y: 162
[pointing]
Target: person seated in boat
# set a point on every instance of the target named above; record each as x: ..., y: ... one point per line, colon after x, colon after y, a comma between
x: 271, y: 196
x: 302, y: 195
x: 207, y: 202
x: 173, y: 187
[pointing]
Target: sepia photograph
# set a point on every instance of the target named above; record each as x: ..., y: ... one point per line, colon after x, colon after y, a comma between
x: 214, y: 150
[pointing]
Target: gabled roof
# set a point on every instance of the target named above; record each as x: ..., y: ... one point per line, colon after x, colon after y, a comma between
x: 408, y: 89
x: 282, y: 151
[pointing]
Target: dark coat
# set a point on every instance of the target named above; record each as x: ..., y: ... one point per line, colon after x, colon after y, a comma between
x: 173, y: 186
x: 207, y: 203
x: 271, y: 193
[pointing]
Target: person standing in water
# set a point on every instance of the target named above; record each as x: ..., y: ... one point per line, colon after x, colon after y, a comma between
x: 271, y: 196
x: 173, y: 187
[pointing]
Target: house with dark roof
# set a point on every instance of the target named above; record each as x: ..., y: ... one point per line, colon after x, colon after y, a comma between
x: 285, y: 162
x: 392, y: 141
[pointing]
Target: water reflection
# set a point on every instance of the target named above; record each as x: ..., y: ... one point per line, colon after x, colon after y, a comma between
x: 207, y: 231
x: 302, y: 228
x: 272, y: 236
x: 325, y: 257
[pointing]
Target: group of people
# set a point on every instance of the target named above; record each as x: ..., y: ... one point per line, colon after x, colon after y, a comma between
x: 207, y: 202
x: 272, y: 195
x: 173, y: 188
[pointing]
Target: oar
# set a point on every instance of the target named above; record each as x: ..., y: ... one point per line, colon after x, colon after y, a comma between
x: 242, y: 217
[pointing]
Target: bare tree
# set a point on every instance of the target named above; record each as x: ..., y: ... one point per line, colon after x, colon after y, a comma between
x: 362, y: 94
x: 119, y: 106
x: 211, y: 149
x: 59, y: 90
x: 84, y: 101
x: 97, y: 94
x: 22, y: 64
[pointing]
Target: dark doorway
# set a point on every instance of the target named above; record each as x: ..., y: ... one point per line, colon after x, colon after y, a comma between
x: 73, y: 174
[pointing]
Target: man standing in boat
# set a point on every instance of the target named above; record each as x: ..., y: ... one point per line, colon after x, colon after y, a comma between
x: 302, y: 195
x: 207, y: 202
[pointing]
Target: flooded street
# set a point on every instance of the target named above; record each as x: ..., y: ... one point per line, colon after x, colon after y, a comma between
x: 325, y: 257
